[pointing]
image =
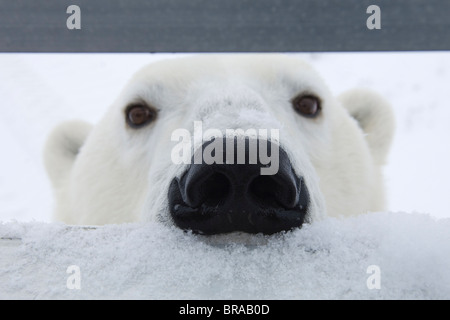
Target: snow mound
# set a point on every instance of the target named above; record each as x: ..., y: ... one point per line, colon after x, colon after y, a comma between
x: 329, y: 259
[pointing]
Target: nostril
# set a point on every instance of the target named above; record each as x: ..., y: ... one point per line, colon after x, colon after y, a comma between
x: 264, y: 191
x: 274, y: 191
x: 215, y: 189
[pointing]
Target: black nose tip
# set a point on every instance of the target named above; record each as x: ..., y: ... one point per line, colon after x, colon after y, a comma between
x: 233, y: 195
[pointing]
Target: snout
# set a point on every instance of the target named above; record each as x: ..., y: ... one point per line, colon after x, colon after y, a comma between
x: 233, y: 195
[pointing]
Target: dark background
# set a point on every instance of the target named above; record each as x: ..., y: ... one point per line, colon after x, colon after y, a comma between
x: 223, y: 26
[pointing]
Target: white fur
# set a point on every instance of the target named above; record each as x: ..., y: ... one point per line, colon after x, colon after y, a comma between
x: 120, y: 174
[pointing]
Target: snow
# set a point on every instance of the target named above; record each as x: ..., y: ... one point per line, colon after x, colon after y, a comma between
x: 325, y: 260
x: 328, y: 259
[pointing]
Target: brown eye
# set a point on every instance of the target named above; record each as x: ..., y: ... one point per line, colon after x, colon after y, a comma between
x: 139, y: 115
x: 308, y: 106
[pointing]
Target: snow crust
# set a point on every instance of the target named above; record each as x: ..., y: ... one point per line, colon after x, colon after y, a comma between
x: 326, y: 260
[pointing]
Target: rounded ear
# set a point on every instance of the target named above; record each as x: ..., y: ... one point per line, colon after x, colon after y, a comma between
x: 62, y: 147
x: 375, y: 117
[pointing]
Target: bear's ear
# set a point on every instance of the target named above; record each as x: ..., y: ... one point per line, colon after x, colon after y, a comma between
x: 375, y: 117
x: 62, y: 147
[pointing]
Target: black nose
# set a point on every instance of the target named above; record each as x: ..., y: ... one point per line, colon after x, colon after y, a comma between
x: 232, y: 195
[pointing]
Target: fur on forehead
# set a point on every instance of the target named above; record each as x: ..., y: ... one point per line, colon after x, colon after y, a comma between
x: 261, y: 72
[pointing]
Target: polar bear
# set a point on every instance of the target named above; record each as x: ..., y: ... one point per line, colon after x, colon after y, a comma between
x: 139, y: 162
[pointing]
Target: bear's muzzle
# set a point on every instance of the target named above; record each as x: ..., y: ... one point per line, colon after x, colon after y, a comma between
x: 214, y: 198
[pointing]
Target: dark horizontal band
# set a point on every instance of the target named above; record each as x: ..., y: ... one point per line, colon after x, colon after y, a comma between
x: 223, y: 26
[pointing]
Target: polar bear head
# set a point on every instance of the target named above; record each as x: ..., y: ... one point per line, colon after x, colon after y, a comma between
x: 223, y: 143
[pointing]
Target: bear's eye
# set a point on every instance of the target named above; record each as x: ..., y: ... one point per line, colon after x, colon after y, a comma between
x: 139, y: 115
x: 307, y: 105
